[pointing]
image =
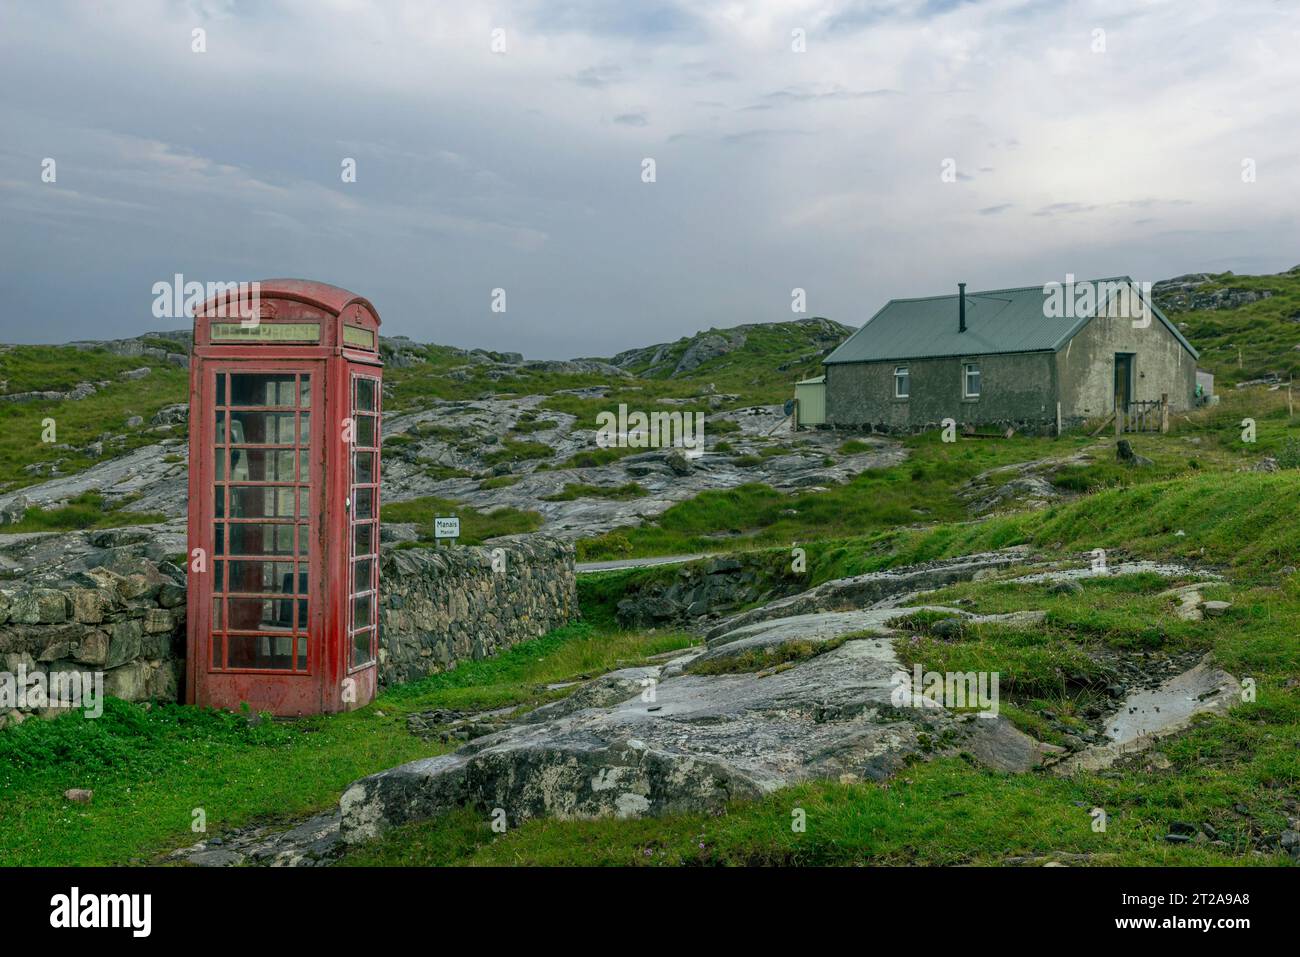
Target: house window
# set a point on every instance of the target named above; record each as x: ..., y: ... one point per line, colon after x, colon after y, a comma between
x: 901, y: 382
x: 970, y: 380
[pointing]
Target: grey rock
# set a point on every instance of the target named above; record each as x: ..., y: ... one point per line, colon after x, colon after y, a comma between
x: 704, y: 740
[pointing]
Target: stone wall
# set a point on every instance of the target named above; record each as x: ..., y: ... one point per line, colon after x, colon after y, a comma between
x: 111, y: 601
x: 125, y: 618
x: 441, y: 606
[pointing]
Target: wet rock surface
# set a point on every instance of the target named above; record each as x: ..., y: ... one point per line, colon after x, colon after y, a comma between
x: 1148, y: 715
x: 662, y: 738
x: 310, y: 843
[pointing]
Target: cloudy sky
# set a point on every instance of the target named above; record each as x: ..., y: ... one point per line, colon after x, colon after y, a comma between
x: 1095, y: 138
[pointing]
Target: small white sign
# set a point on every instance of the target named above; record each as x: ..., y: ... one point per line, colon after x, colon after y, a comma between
x: 446, y: 528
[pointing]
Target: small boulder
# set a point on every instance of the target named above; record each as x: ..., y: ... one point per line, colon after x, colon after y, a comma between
x: 79, y: 795
x: 1216, y: 609
x: 678, y: 462
x: 1124, y: 453
x: 1068, y: 587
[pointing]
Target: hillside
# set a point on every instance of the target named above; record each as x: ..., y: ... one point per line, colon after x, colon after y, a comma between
x: 448, y: 408
x: 982, y: 552
x: 1246, y: 328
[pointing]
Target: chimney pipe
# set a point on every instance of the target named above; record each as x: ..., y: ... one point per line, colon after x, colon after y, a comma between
x: 961, y: 307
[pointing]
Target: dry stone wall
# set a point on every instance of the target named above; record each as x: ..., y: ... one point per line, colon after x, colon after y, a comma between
x: 441, y: 606
x: 111, y: 602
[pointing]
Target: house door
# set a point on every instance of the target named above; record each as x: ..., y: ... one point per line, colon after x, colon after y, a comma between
x: 1123, y: 380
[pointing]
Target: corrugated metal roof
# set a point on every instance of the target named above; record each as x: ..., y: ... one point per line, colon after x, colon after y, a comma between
x: 997, y: 321
x: 815, y: 380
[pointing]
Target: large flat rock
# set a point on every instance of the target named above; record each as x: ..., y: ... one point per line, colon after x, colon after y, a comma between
x: 693, y: 742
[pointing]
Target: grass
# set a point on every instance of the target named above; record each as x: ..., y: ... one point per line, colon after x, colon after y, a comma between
x: 1253, y: 340
x: 924, y: 489
x: 87, y: 510
x: 575, y: 490
x: 475, y: 526
x: 756, y: 515
x: 78, y: 422
x: 513, y: 450
x: 1247, y: 521
x: 950, y: 811
x: 151, y: 766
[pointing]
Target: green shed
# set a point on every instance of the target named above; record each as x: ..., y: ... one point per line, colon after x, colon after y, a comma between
x: 810, y: 394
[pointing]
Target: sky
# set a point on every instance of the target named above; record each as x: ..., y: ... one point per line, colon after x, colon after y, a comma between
x: 856, y: 150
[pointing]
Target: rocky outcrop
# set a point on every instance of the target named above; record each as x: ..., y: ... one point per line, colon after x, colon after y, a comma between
x: 441, y: 606
x: 707, y: 588
x: 877, y: 589
x: 787, y: 693
x: 683, y: 742
x: 669, y: 359
x: 1203, y: 291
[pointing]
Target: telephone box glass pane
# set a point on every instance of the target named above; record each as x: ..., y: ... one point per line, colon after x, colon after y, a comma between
x: 363, y: 504
x: 262, y: 389
x: 363, y: 468
x: 258, y: 501
x: 269, y: 577
x: 260, y: 651
x: 261, y: 465
x: 366, y: 431
x: 260, y: 614
x: 361, y: 609
x: 365, y: 395
x: 362, y: 539
x: 261, y: 428
x: 253, y: 538
x: 361, y: 574
x: 361, y: 648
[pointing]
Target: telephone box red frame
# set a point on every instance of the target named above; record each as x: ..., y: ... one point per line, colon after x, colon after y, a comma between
x: 260, y: 355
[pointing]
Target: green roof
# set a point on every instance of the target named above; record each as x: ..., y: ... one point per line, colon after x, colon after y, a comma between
x: 997, y: 321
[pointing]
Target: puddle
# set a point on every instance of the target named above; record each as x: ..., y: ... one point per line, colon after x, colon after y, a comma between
x: 1146, y: 716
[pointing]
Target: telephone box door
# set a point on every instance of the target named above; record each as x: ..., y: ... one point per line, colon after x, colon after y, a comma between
x: 361, y: 385
x: 260, y: 525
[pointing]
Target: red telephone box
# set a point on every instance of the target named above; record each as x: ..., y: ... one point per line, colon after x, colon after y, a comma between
x: 285, y: 406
